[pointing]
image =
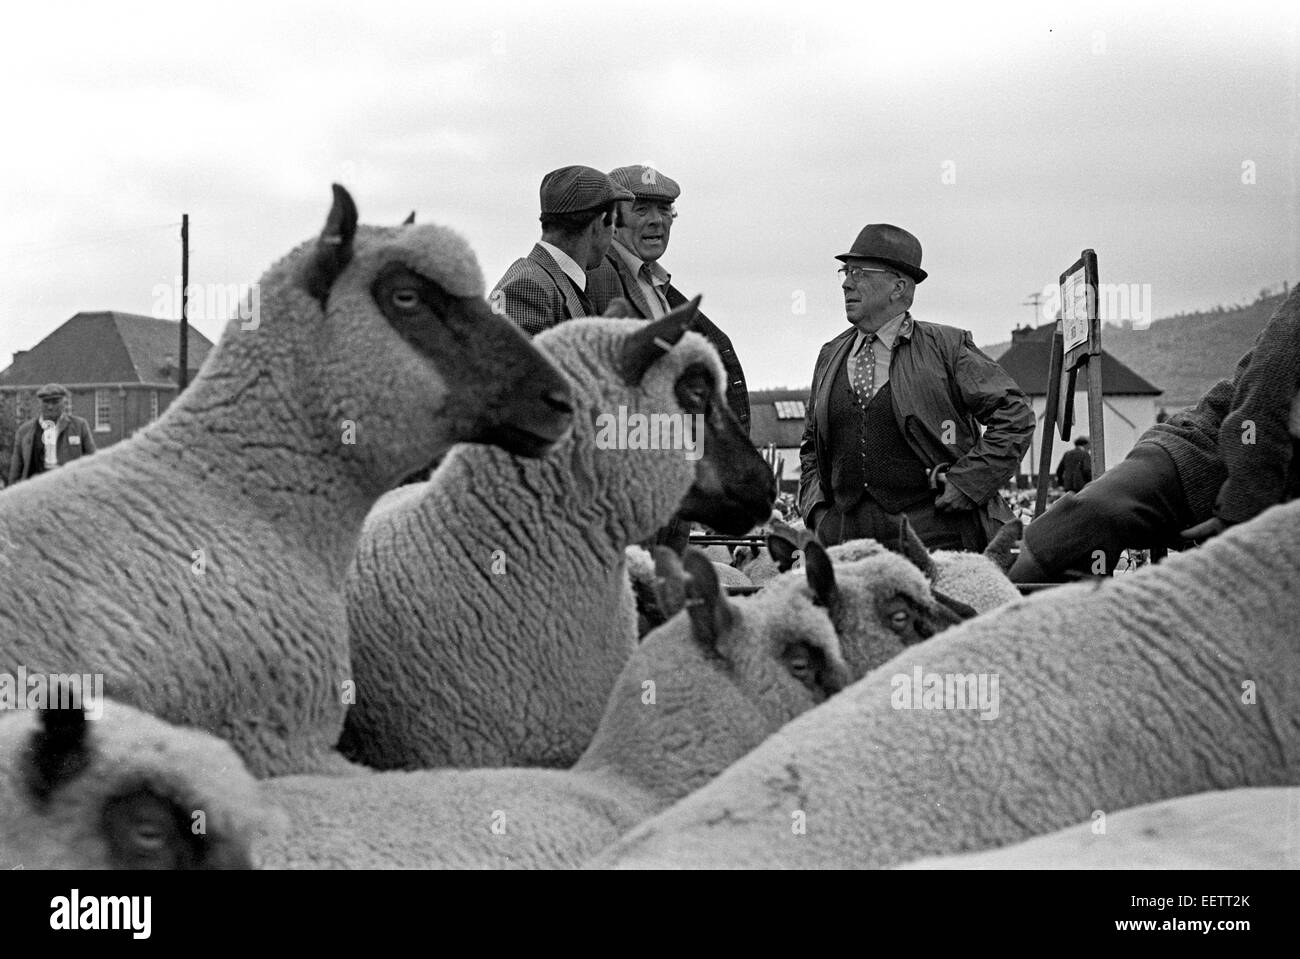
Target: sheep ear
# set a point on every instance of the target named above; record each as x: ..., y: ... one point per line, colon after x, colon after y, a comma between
x: 784, y: 543
x: 618, y: 308
x: 821, y: 573
x: 57, y: 752
x: 999, y: 550
x: 962, y: 611
x: 909, y: 546
x: 653, y: 340
x: 670, y: 582
x: 334, y: 248
x: 410, y: 219
x: 710, y: 611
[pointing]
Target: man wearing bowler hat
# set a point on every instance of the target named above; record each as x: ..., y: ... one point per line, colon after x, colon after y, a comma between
x: 893, y: 419
x: 53, y: 439
x: 631, y: 269
x: 549, y: 285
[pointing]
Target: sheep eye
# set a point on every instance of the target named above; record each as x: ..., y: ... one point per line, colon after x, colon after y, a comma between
x: 150, y: 836
x: 695, y: 401
x: 405, y: 299
x: 900, y: 619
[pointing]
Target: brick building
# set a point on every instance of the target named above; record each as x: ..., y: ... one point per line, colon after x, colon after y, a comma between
x: 120, y: 368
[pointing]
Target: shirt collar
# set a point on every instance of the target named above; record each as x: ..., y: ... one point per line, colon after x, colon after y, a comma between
x: 566, y: 263
x: 899, y: 328
x: 658, y: 274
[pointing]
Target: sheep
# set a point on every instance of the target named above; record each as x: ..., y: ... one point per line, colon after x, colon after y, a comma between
x: 978, y: 580
x: 491, y: 617
x: 699, y: 693
x: 861, y: 596
x: 123, y: 791
x: 1226, y: 829
x: 1179, y: 678
x: 199, y: 564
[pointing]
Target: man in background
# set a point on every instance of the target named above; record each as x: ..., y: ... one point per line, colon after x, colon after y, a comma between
x: 549, y: 285
x: 1075, y: 469
x: 631, y: 269
x: 53, y: 439
x: 894, y: 416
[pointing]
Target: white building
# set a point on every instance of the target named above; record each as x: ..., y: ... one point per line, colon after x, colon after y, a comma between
x: 1128, y: 400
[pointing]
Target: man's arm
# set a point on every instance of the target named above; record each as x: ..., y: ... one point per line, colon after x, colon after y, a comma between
x: 1255, y: 439
x: 525, y: 302
x: 87, y: 439
x: 810, y: 487
x: 998, y: 404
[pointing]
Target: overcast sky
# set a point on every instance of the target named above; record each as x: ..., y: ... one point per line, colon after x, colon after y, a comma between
x: 1006, y: 138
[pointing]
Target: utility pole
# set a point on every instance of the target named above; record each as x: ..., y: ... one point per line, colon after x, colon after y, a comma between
x: 183, y: 374
x: 1035, y: 300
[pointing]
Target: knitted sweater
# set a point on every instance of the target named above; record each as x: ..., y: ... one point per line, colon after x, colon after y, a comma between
x: 1223, y: 473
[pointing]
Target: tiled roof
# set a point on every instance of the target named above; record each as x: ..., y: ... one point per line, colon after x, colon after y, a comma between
x: 770, y: 424
x: 1028, y: 357
x: 107, y: 347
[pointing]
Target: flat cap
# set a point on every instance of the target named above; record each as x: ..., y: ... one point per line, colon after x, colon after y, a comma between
x: 573, y: 188
x: 646, y: 183
x: 50, y: 390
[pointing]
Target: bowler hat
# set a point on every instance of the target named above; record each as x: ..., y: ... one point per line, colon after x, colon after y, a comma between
x: 888, y: 244
x: 573, y: 188
x: 646, y: 183
x: 50, y: 390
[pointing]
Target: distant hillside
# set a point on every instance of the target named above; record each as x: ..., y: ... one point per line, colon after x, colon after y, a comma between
x: 1185, y: 355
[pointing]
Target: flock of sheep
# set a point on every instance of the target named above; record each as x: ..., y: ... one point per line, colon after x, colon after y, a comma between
x: 308, y: 668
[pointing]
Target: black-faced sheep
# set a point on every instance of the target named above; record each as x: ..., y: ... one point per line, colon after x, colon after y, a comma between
x: 1177, y: 679
x: 199, y: 564
x: 124, y: 791
x: 491, y: 615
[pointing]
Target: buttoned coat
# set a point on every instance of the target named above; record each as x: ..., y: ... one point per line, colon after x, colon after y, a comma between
x: 943, y: 389
x: 75, y: 441
x: 612, y: 279
x: 537, y: 294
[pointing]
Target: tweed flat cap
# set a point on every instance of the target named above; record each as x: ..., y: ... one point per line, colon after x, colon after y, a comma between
x: 573, y: 188
x: 50, y: 390
x: 646, y: 183
x: 888, y: 244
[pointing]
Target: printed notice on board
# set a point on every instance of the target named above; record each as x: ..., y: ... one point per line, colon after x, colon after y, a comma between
x: 1074, y: 309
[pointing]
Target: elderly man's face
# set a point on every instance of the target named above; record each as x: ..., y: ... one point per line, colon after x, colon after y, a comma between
x: 867, y: 286
x: 645, y: 227
x: 51, y: 407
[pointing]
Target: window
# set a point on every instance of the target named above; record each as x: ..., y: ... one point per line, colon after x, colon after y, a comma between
x: 103, y: 412
x: 789, y: 410
x: 153, y: 405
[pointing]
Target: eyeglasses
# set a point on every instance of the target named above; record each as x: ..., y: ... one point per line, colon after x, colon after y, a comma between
x: 854, y: 273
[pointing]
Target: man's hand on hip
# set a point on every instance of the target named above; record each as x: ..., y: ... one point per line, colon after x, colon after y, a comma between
x: 952, y: 499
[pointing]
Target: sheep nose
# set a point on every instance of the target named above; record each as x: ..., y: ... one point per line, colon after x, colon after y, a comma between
x: 558, y: 400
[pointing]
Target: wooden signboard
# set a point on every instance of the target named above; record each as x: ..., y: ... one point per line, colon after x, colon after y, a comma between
x: 1076, y: 346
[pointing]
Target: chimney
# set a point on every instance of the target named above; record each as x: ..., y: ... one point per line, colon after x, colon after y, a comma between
x: 19, y: 353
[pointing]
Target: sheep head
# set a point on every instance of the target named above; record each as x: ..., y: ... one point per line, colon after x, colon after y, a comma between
x: 733, y: 487
x: 880, y: 603
x: 126, y: 791
x: 395, y: 354
x: 654, y: 436
x: 725, y: 675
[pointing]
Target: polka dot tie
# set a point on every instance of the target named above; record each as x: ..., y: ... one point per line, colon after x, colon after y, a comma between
x: 863, y: 374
